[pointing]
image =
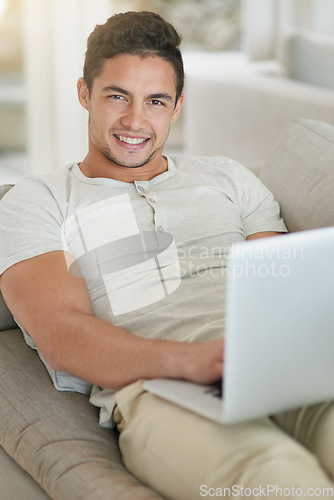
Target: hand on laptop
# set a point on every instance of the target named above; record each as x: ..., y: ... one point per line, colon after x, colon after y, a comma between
x: 203, y: 361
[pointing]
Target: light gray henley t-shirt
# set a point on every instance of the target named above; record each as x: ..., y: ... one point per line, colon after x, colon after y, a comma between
x: 152, y: 253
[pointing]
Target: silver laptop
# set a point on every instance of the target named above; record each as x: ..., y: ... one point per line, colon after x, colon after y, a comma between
x: 279, y: 348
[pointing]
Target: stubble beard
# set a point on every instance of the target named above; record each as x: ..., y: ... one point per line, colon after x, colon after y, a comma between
x: 108, y: 154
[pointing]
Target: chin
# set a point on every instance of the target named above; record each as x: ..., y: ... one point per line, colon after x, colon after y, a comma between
x: 130, y: 164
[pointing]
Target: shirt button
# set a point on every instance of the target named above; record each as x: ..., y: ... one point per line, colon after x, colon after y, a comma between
x: 140, y: 188
x: 160, y: 229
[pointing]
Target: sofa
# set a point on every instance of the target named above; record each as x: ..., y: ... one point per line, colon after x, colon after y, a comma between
x: 239, y: 108
x: 51, y: 443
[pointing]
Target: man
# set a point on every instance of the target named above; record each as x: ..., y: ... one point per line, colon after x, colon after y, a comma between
x: 110, y: 268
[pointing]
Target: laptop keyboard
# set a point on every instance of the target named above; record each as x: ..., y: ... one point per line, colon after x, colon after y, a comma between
x: 215, y: 390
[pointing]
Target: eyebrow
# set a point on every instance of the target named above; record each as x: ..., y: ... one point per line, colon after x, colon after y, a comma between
x: 120, y: 90
x: 112, y: 88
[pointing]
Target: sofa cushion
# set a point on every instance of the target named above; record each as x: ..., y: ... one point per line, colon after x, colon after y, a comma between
x: 300, y: 174
x: 55, y: 436
x: 308, y: 58
x: 6, y: 319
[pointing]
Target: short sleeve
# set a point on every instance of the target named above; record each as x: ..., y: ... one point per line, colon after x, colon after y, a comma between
x: 259, y: 211
x: 30, y: 223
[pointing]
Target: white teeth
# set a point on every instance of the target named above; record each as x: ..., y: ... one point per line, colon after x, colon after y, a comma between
x: 131, y: 140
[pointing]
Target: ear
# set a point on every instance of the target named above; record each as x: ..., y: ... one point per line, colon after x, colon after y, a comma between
x: 178, y: 108
x: 83, y: 94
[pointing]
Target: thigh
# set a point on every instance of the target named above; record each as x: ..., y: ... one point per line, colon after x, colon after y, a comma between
x: 313, y: 426
x: 185, y: 456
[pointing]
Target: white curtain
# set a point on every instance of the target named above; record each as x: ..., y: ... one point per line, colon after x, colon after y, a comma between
x: 55, y: 33
x: 259, y: 28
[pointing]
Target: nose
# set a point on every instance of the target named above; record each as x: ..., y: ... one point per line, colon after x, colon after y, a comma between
x: 134, y: 117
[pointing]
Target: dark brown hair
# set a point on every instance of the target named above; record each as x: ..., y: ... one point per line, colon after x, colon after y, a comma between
x: 139, y: 33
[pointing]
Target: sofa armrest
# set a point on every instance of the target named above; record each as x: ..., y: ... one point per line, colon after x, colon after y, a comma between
x: 16, y: 483
x: 55, y: 436
x: 241, y: 116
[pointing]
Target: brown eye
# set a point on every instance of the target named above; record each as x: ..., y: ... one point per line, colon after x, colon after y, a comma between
x: 155, y: 102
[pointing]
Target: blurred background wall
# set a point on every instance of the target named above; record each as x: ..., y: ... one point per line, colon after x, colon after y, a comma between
x: 42, y: 45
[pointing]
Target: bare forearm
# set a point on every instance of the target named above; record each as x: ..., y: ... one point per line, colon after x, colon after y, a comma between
x: 109, y: 356
x: 60, y: 320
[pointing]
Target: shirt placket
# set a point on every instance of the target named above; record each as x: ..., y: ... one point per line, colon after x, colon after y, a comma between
x: 152, y: 198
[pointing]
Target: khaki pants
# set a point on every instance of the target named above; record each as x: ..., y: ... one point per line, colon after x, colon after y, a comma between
x: 184, y: 456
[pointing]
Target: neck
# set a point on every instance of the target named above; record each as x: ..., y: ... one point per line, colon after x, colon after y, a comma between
x: 102, y: 167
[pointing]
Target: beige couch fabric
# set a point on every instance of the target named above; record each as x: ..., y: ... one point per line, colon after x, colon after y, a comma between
x: 6, y: 319
x: 55, y: 436
x: 16, y: 484
x: 300, y: 173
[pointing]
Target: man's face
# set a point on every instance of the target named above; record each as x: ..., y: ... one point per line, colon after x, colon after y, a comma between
x: 131, y: 106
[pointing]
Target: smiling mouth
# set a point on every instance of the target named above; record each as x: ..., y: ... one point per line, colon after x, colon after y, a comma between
x: 131, y: 140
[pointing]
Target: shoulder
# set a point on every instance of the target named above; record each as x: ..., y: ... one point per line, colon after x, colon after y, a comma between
x: 37, y: 188
x: 218, y: 164
x: 216, y: 167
